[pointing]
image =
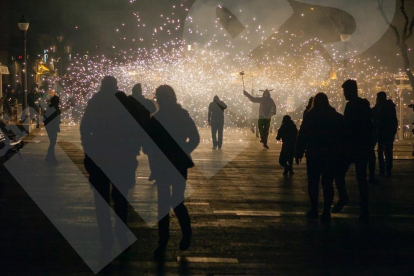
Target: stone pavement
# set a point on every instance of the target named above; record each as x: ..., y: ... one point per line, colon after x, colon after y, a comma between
x: 247, y: 218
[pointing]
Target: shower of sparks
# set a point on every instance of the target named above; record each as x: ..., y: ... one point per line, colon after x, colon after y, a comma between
x: 197, y: 74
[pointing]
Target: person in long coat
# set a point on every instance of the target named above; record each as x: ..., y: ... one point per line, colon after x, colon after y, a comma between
x: 288, y: 133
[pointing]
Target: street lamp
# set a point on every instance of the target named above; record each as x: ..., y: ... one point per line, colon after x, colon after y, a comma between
x: 60, y: 53
x: 24, y: 26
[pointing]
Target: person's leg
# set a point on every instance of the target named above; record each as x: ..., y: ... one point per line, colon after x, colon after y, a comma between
x: 328, y: 195
x: 101, y: 188
x: 361, y: 164
x: 285, y: 172
x: 341, y: 187
x: 178, y: 189
x: 260, y: 124
x: 372, y: 164
x: 214, y: 130
x: 220, y: 135
x: 52, y: 143
x: 290, y: 163
x: 164, y: 203
x: 313, y: 171
x: 381, y: 162
x: 121, y: 209
x: 388, y: 150
x: 266, y: 128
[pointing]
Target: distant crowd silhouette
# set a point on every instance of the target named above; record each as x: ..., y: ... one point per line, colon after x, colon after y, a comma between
x: 115, y: 128
x: 332, y: 142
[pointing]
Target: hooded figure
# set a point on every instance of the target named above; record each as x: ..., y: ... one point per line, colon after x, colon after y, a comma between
x: 322, y: 136
x: 386, y: 124
x: 288, y: 134
x: 216, y: 120
x: 267, y: 109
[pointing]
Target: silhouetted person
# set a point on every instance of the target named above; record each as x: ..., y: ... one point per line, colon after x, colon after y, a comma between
x: 216, y: 121
x: 11, y: 96
x: 372, y: 157
x: 175, y: 136
x: 52, y: 120
x: 288, y: 133
x: 358, y: 119
x: 137, y: 100
x: 386, y: 128
x: 32, y: 98
x: 267, y: 109
x: 111, y: 139
x: 321, y: 136
x: 137, y: 96
x: 342, y: 169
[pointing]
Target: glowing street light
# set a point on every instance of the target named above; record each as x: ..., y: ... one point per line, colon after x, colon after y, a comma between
x: 24, y: 26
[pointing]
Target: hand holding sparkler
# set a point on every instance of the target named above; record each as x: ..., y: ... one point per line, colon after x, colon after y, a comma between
x: 242, y: 75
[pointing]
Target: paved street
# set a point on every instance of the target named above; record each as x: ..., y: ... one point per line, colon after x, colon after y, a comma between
x: 248, y: 219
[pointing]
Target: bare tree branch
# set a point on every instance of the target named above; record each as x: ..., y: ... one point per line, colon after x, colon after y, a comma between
x: 396, y: 32
x: 410, y: 30
x: 401, y: 40
x: 407, y: 21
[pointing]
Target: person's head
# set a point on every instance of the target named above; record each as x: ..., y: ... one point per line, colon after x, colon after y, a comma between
x: 216, y: 98
x: 165, y: 96
x: 350, y: 89
x: 54, y: 101
x: 310, y: 104
x: 266, y: 94
x: 137, y: 90
x: 381, y: 97
x: 286, y: 119
x: 109, y: 84
x: 320, y: 101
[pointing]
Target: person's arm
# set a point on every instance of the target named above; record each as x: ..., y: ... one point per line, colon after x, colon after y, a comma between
x: 301, y: 143
x: 347, y: 116
x: 251, y: 98
x: 222, y: 104
x: 279, y: 133
x: 151, y: 106
x: 86, y: 127
x: 209, y: 114
x: 273, y: 111
x: 192, y: 135
x: 369, y: 116
x: 394, y: 119
x: 51, y: 114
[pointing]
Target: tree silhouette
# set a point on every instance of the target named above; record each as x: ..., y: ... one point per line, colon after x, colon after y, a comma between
x: 402, y: 38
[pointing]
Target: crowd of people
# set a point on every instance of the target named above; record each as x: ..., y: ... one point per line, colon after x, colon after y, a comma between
x: 332, y: 142
x: 116, y: 128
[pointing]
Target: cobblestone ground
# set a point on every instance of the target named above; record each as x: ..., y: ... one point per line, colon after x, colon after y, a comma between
x: 247, y: 218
